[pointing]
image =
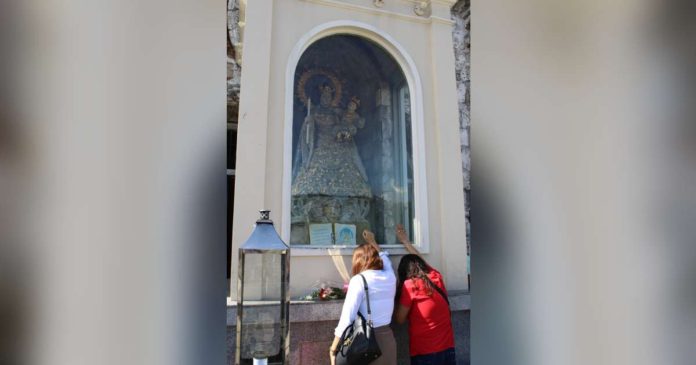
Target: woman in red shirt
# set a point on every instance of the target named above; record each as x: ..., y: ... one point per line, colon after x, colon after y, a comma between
x: 422, y: 300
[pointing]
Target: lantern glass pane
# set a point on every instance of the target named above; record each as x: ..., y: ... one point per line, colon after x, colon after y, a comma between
x: 261, y: 317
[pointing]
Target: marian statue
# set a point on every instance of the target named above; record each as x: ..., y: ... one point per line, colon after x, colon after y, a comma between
x: 327, y: 160
x: 330, y: 184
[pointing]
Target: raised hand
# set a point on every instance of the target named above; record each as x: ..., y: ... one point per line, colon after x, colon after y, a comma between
x: 401, y: 234
x: 369, y: 237
x: 403, y: 238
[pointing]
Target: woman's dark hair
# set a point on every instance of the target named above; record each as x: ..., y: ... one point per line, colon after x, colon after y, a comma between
x: 413, y: 267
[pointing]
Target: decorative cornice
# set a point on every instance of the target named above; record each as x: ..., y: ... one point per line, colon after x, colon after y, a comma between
x: 445, y: 2
x: 426, y: 19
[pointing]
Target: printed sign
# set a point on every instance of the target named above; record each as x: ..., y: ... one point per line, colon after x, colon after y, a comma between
x: 321, y: 234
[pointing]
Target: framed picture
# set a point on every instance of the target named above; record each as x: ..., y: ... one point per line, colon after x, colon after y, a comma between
x: 345, y: 234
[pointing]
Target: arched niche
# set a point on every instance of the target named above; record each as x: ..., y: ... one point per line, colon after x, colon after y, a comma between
x: 352, y: 145
x: 386, y: 59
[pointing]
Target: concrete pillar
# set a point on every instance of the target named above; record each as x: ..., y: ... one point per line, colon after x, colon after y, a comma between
x: 250, y: 191
x: 445, y: 110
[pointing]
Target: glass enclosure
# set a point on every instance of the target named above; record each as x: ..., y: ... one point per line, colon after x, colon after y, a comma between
x: 261, y: 320
x: 352, y: 151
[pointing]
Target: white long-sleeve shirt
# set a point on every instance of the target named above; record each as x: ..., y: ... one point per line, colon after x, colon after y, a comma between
x: 381, y: 285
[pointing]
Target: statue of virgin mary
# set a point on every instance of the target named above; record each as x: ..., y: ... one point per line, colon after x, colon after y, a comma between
x: 327, y: 162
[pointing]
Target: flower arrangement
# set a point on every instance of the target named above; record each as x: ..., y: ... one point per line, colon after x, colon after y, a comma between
x: 326, y: 291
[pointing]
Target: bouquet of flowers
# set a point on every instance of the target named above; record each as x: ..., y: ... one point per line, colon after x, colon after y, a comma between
x: 326, y: 291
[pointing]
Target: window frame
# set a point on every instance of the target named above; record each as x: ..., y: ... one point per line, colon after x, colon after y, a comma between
x: 407, y: 65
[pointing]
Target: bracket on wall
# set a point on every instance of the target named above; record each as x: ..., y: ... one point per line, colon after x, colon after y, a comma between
x: 422, y: 7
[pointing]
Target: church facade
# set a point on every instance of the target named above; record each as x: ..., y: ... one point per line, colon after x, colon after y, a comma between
x: 345, y: 115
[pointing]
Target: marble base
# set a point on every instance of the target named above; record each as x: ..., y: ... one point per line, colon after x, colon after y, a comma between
x: 312, y: 325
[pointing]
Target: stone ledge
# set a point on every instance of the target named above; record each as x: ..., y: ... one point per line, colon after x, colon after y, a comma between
x: 312, y: 311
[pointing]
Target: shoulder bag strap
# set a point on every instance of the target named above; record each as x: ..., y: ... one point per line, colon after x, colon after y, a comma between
x: 438, y: 290
x: 367, y: 298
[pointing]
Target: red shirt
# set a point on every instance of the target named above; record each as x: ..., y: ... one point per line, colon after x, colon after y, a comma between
x: 430, y: 325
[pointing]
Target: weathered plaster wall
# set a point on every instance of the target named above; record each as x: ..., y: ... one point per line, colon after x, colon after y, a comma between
x: 234, y: 69
x: 462, y: 48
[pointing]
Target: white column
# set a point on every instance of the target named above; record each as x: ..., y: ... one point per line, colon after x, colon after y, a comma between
x: 452, y: 213
x: 250, y: 182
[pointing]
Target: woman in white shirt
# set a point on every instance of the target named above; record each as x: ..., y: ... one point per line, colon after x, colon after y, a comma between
x: 375, y: 266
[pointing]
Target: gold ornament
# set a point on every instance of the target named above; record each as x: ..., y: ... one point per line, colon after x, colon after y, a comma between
x: 307, y: 75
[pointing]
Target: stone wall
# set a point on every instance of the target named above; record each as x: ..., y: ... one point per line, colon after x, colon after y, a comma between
x: 310, y: 341
x: 312, y: 325
x: 462, y: 48
x: 234, y: 67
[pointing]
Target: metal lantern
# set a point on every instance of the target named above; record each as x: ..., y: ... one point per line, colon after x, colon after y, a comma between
x: 263, y: 296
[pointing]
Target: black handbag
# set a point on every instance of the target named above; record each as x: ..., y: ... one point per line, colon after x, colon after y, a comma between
x: 358, y: 344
